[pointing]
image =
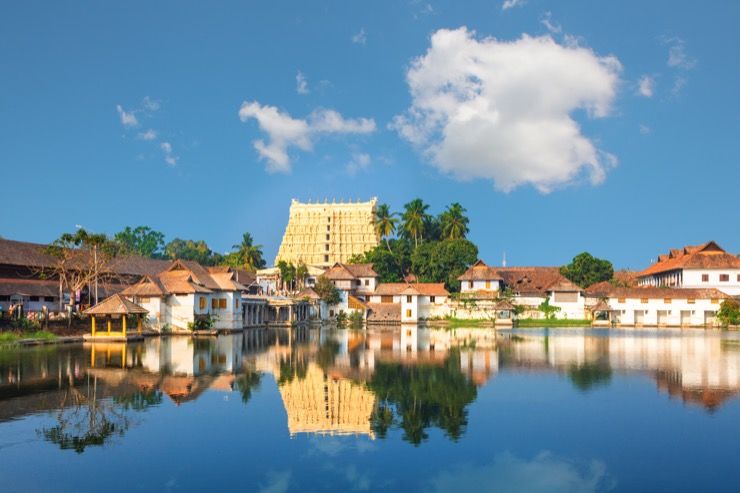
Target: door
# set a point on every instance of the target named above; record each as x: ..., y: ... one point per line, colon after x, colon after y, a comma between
x: 662, y: 317
x: 685, y: 318
x: 709, y: 317
x: 639, y: 317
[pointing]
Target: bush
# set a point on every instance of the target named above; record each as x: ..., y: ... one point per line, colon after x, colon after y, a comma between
x: 729, y: 313
x: 356, y: 319
x: 202, y: 323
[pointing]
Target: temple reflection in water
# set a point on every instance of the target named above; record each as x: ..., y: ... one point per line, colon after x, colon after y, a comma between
x: 341, y: 382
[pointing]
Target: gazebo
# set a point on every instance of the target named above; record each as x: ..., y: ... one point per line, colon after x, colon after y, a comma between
x: 115, y: 306
x: 504, y: 311
x: 601, y: 307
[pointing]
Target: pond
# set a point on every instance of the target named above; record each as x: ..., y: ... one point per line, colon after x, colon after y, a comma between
x: 399, y: 409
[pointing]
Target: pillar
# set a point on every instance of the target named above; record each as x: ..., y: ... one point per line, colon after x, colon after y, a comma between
x: 92, y: 321
x: 138, y: 324
x: 123, y: 321
x: 109, y: 323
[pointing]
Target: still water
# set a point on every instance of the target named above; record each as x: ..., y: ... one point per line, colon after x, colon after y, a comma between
x: 402, y: 409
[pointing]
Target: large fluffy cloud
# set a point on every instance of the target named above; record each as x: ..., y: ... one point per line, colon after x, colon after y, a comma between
x: 285, y: 132
x: 504, y: 110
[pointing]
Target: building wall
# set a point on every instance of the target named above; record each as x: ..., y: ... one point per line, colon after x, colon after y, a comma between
x: 493, y: 285
x: 420, y: 307
x: 696, y: 314
x: 692, y: 279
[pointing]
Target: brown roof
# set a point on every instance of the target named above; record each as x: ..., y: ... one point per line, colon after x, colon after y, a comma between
x: 116, y: 305
x: 563, y: 285
x: 660, y: 292
x: 707, y: 256
x: 504, y: 305
x: 148, y: 286
x: 29, y: 287
x: 426, y: 289
x: 390, y: 288
x: 182, y: 282
x: 479, y: 271
x: 530, y: 280
x: 348, y: 272
x: 307, y: 293
x: 600, y: 306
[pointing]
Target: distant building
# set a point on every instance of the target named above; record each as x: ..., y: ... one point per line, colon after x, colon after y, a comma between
x: 703, y: 266
x: 322, y: 234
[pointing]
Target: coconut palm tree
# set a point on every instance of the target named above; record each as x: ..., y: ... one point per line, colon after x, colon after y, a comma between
x: 250, y: 255
x: 454, y: 222
x: 414, y: 218
x: 385, y: 223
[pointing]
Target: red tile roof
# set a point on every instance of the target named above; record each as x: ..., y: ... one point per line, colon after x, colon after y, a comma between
x: 479, y: 271
x: 348, y: 272
x: 707, y: 256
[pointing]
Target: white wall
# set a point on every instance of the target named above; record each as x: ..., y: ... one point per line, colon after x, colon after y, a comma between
x: 479, y: 286
x: 700, y: 310
x: 692, y: 279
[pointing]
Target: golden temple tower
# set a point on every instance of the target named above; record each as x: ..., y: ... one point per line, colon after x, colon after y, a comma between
x: 324, y: 233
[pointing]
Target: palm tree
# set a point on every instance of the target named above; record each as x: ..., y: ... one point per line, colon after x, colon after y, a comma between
x: 250, y: 255
x: 414, y: 218
x: 385, y: 223
x: 454, y: 222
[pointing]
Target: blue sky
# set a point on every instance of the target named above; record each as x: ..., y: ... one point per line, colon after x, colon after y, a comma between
x: 619, y: 138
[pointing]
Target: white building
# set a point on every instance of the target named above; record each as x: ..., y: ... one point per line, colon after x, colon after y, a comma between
x: 422, y: 301
x: 704, y: 266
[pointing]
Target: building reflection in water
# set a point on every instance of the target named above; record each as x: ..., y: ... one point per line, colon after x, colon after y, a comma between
x: 341, y: 382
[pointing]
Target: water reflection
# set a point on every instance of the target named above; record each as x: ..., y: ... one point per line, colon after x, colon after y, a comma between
x: 346, y: 382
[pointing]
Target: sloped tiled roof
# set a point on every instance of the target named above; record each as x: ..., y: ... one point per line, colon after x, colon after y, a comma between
x: 530, y: 280
x: 660, y: 292
x: 479, y: 271
x: 116, y: 305
x: 426, y: 289
x: 29, y: 287
x: 390, y: 288
x: 348, y: 272
x: 707, y: 256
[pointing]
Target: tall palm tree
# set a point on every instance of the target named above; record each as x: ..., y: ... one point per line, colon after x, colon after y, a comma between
x: 454, y: 222
x: 385, y: 223
x: 414, y: 218
x: 250, y: 255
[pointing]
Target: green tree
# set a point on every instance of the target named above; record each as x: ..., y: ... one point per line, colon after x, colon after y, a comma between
x: 327, y: 291
x: 729, y: 313
x: 443, y: 261
x: 389, y: 263
x: 141, y: 240
x: 287, y: 274
x: 453, y: 222
x: 385, y: 223
x: 246, y: 255
x: 192, y: 250
x: 301, y: 273
x: 547, y: 309
x: 585, y: 270
x: 415, y: 217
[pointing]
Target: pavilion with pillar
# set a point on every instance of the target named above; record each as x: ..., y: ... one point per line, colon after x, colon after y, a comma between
x: 119, y: 309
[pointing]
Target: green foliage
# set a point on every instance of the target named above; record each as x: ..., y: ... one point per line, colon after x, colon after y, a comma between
x: 443, y: 261
x: 389, y: 262
x: 356, y: 319
x: 729, y: 313
x: 202, y: 323
x: 586, y: 270
x: 453, y: 222
x: 415, y: 397
x: 192, y: 250
x: 246, y: 255
x: 548, y: 310
x: 141, y: 240
x: 385, y: 222
x: 287, y: 273
x: 341, y: 319
x: 12, y: 337
x: 553, y: 322
x: 415, y: 218
x: 327, y: 291
x: 246, y: 383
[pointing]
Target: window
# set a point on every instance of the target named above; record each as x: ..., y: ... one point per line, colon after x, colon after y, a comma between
x: 222, y: 303
x: 326, y: 258
x: 724, y: 278
x: 328, y: 219
x: 620, y: 300
x: 643, y: 300
x: 565, y: 297
x: 326, y: 247
x: 470, y: 284
x: 202, y: 303
x: 738, y: 278
x: 432, y: 299
x: 33, y: 298
x: 715, y: 301
x: 367, y: 282
x: 408, y: 299
x: 328, y: 237
x: 214, y: 303
x: 408, y: 313
x: 328, y: 228
x: 705, y: 278
x: 691, y: 301
x: 236, y: 304
x: 48, y: 298
x: 667, y: 301
x: 488, y: 284
x: 4, y: 297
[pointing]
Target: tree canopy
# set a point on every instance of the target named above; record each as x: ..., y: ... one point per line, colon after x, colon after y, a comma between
x: 585, y: 270
x: 192, y: 250
x: 141, y: 240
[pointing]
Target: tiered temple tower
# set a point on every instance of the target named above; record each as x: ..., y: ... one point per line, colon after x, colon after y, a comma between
x: 322, y: 234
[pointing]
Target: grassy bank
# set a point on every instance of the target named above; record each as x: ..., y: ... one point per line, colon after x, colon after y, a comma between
x: 13, y: 337
x: 455, y: 323
x: 556, y: 322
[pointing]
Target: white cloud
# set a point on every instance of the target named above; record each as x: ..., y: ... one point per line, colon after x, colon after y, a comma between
x: 359, y: 162
x: 301, y: 84
x: 360, y: 37
x: 285, y: 132
x: 677, y: 57
x: 150, y: 134
x: 502, y: 110
x: 169, y: 158
x: 644, y: 129
x: 150, y: 105
x: 646, y: 86
x: 544, y: 473
x: 510, y: 4
x: 128, y: 118
x: 550, y: 24
x: 678, y: 84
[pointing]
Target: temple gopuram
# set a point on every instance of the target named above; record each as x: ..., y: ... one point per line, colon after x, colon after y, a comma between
x: 322, y: 234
